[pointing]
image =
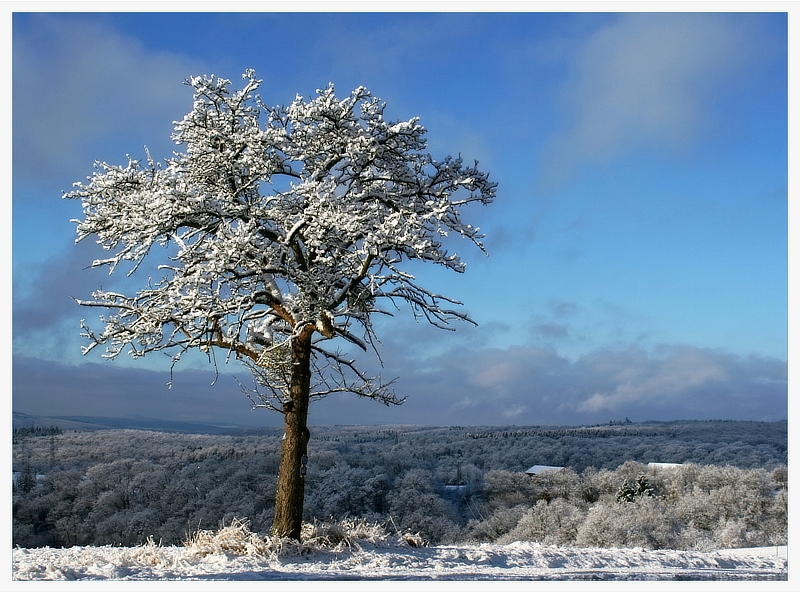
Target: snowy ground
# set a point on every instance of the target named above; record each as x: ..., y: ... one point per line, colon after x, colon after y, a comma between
x: 398, y: 561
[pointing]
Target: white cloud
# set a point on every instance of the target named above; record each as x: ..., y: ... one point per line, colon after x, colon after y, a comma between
x: 645, y: 82
x: 639, y: 379
x: 538, y: 386
x: 77, y: 83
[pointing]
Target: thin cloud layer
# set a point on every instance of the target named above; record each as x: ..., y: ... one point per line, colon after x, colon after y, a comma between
x: 42, y: 299
x: 518, y: 385
x: 47, y: 388
x: 46, y: 318
x: 529, y: 385
x: 645, y: 82
x: 82, y: 83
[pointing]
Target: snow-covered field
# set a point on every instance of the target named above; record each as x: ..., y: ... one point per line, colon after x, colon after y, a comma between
x: 397, y: 561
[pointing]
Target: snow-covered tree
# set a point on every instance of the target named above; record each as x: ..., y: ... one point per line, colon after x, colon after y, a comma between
x: 282, y: 229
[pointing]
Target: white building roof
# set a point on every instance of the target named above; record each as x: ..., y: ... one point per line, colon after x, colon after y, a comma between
x: 541, y: 469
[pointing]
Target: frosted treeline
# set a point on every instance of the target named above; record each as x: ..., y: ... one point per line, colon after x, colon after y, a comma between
x: 449, y: 485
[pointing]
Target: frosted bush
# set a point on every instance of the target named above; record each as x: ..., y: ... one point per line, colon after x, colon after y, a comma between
x: 692, y: 538
x: 505, y: 489
x: 604, y: 482
x: 646, y: 523
x: 601, y: 528
x: 722, y: 495
x: 697, y: 510
x: 712, y: 477
x: 672, y: 483
x: 654, y: 525
x: 564, y: 483
x: 496, y: 525
x: 777, y: 525
x: 780, y: 477
x: 630, y: 491
x: 733, y: 534
x: 630, y: 471
x: 556, y: 522
x: 755, y: 490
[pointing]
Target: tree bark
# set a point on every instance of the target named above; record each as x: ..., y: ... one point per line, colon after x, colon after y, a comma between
x: 291, y: 480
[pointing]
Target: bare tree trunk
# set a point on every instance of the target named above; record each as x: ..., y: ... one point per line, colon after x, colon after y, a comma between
x: 291, y: 480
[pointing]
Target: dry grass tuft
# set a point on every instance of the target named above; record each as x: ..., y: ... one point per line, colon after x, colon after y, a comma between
x: 236, y: 539
x: 321, y: 536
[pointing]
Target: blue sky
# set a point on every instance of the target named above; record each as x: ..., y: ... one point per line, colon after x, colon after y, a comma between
x: 638, y: 245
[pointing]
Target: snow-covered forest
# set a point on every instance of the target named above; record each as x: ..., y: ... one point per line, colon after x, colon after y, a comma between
x: 449, y: 485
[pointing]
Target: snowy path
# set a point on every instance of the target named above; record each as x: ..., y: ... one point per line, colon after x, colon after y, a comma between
x: 517, y: 561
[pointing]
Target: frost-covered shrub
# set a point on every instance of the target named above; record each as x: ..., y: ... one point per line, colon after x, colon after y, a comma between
x: 713, y: 477
x: 600, y: 483
x: 496, y: 525
x: 733, y: 534
x: 721, y: 495
x: 780, y: 477
x: 755, y: 490
x: 646, y: 523
x: 602, y: 527
x: 416, y: 506
x: 505, y: 489
x: 631, y: 470
x: 776, y: 526
x: 630, y: 491
x: 564, y: 483
x: 556, y: 522
x: 589, y: 491
x: 692, y: 538
x: 674, y: 482
x: 697, y: 510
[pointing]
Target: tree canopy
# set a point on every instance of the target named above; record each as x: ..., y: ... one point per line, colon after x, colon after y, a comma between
x: 282, y: 219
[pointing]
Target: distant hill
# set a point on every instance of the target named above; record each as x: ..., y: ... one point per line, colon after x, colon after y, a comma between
x: 752, y: 433
x: 88, y: 423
